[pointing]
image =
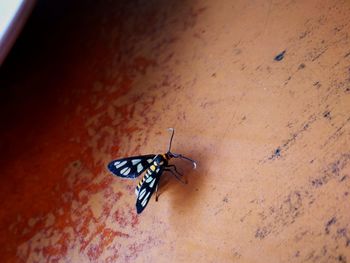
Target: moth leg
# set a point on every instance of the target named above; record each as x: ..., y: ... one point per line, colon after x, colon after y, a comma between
x: 173, y: 166
x: 157, y: 192
x: 176, y: 176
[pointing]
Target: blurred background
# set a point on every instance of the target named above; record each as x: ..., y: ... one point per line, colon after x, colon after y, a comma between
x: 259, y: 96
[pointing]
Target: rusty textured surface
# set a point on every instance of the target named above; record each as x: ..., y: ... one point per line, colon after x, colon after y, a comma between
x: 87, y: 83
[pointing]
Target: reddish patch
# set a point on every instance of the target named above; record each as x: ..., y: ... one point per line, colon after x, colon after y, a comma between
x: 134, y: 217
x: 58, y: 249
x: 120, y: 218
x: 94, y: 252
x: 112, y: 259
x: 57, y: 132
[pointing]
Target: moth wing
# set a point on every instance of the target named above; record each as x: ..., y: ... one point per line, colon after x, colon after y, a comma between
x: 147, y: 189
x: 131, y: 167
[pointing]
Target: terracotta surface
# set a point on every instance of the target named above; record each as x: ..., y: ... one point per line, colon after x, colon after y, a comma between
x: 88, y: 83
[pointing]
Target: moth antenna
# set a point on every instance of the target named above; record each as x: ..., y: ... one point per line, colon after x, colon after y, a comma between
x: 189, y: 159
x: 176, y: 155
x: 171, y: 138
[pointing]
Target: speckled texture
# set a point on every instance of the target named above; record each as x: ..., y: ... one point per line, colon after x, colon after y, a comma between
x: 259, y: 94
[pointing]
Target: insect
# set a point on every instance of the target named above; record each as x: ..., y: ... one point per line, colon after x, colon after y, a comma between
x: 154, y: 165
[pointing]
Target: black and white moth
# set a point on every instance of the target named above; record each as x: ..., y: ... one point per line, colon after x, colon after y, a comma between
x: 152, y: 166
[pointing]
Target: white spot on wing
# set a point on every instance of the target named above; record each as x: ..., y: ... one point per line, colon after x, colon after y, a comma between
x: 142, y: 193
x: 125, y: 171
x: 157, y: 170
x: 119, y: 164
x: 149, y: 160
x: 139, y: 167
x: 152, y: 183
x: 144, y: 202
x: 136, y: 161
x: 149, y: 179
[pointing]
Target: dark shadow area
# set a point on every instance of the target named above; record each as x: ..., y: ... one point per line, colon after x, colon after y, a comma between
x: 34, y: 76
x: 185, y: 195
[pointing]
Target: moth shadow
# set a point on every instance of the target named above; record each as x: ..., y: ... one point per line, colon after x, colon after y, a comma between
x: 184, y: 197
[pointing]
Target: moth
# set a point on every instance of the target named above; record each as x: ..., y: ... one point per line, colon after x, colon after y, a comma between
x: 153, y: 166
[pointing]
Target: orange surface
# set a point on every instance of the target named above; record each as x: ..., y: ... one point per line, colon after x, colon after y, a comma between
x: 87, y: 83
